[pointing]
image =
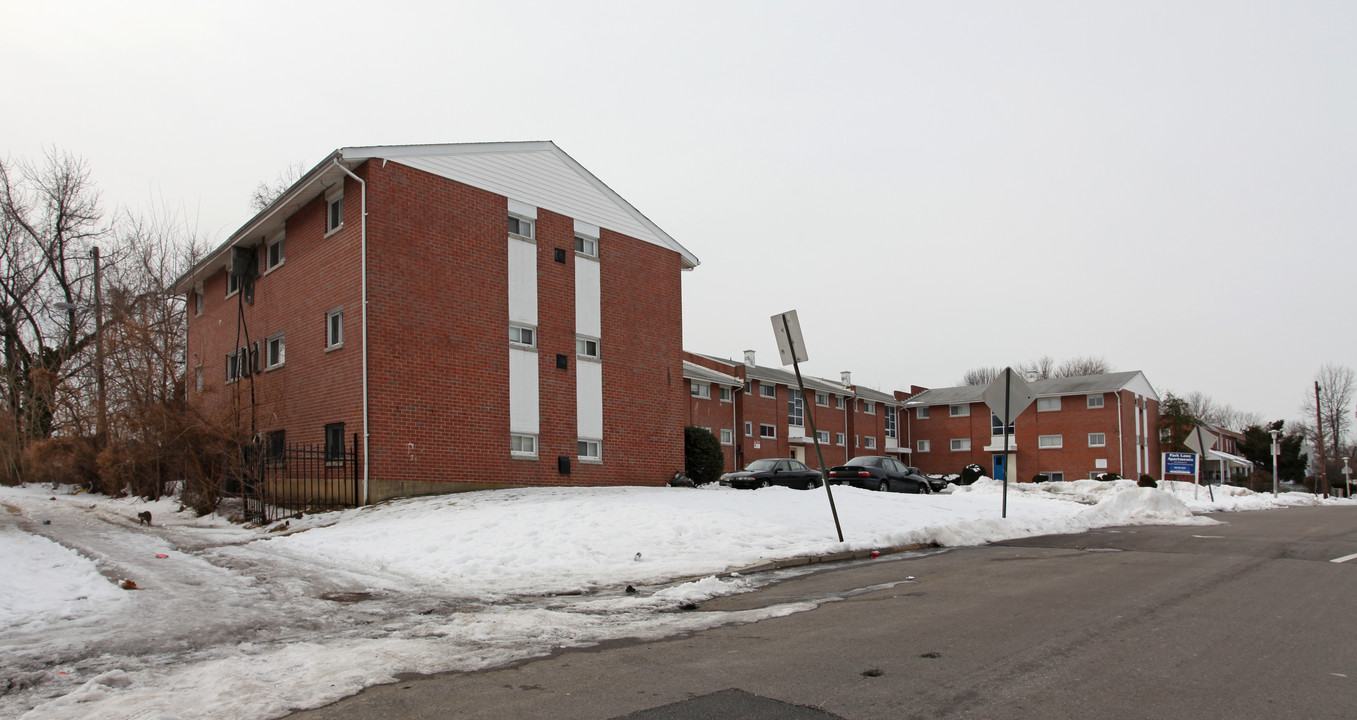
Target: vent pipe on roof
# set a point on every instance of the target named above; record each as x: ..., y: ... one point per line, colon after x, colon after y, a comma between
x: 749, y: 358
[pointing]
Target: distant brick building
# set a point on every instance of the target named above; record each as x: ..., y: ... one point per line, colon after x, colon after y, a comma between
x: 1078, y: 427
x: 771, y: 419
x: 476, y: 314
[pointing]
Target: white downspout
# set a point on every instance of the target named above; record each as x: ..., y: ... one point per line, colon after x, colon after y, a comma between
x: 1121, y: 441
x: 363, y: 252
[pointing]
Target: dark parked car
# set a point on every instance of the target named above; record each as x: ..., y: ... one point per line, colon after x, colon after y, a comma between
x: 937, y: 483
x: 875, y: 472
x: 773, y: 471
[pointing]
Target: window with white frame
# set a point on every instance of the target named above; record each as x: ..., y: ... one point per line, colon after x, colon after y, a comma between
x: 857, y: 441
x: 1048, y: 404
x: 232, y: 283
x: 822, y: 399
x: 589, y: 449
x: 727, y: 436
x: 197, y: 302
x: 523, y: 445
x: 767, y: 431
x: 749, y: 429
x: 840, y: 439
x: 1095, y: 401
x: 921, y: 412
x: 334, y: 210
x: 869, y: 407
x: 586, y: 246
x: 869, y: 442
x: 961, y: 444
x: 1097, y: 439
x: 522, y: 335
x: 959, y: 410
x: 767, y: 390
x: 198, y: 378
x: 587, y: 347
x: 232, y: 367
x: 334, y: 329
x: 726, y: 394
x: 273, y: 255
x: 699, y: 389
x: 923, y: 445
x: 275, y: 351
x: 890, y: 421
x: 521, y: 227
x: 996, y: 427
x: 822, y: 436
x: 1060, y: 476
x: 796, y: 409
x: 838, y: 402
x: 1049, y: 441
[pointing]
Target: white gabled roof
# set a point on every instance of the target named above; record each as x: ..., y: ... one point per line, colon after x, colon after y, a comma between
x: 536, y: 173
x: 1133, y: 380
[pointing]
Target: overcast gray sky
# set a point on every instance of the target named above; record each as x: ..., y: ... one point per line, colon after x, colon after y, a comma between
x: 933, y: 186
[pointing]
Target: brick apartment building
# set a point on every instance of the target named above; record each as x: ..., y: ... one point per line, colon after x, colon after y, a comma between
x: 764, y: 415
x: 475, y: 314
x: 1078, y: 427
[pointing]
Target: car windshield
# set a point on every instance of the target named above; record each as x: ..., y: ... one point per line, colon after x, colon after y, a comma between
x: 761, y: 465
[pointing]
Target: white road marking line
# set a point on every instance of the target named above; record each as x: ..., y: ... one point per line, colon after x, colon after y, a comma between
x: 1345, y: 558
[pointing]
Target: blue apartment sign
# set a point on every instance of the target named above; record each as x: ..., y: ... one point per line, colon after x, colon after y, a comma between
x: 1180, y: 463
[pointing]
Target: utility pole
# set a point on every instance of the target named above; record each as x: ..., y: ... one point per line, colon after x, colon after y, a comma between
x: 1319, y: 440
x: 100, y: 382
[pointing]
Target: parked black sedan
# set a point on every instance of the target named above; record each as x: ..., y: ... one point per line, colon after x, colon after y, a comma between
x: 773, y: 471
x: 875, y: 472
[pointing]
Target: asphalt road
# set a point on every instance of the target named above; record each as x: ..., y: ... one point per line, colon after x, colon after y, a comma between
x: 1249, y: 619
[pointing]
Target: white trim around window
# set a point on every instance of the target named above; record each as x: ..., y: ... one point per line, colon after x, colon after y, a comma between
x: 334, y: 210
x: 699, y: 389
x: 1050, y: 441
x: 274, y: 253
x: 727, y: 395
x: 1095, y: 401
x: 522, y: 445
x: 958, y: 410
x: 198, y: 301
x: 961, y: 444
x: 840, y: 439
x: 766, y: 390
x: 1048, y: 404
x: 923, y: 445
x: 522, y: 335
x: 1097, y: 439
x: 586, y: 246
x: 589, y: 450
x: 586, y: 347
x: 869, y: 442
x: 822, y: 399
x: 275, y: 351
x: 334, y: 329
x: 921, y: 412
x: 727, y: 436
x: 822, y: 436
x: 768, y: 431
x: 521, y: 227
x: 748, y: 429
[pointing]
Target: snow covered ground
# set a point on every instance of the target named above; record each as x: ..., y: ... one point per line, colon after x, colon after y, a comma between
x: 201, y: 618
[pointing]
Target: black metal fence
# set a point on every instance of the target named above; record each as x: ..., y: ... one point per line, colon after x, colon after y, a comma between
x: 282, y: 480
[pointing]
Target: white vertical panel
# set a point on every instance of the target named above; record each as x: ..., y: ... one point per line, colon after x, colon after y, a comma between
x: 588, y: 307
x: 522, y: 283
x: 523, y: 392
x: 589, y: 399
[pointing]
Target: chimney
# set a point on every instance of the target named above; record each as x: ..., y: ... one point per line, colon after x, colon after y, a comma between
x: 846, y: 377
x: 749, y: 358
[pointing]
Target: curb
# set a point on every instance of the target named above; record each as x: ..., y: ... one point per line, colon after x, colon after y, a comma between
x: 802, y: 560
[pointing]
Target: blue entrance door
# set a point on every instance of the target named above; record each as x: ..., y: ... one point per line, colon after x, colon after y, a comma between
x: 999, y: 470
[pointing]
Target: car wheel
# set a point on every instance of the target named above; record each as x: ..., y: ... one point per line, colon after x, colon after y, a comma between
x: 812, y: 484
x: 925, y: 488
x: 885, y: 486
x: 764, y: 483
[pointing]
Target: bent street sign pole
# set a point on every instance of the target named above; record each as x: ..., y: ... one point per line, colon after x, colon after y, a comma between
x: 792, y: 349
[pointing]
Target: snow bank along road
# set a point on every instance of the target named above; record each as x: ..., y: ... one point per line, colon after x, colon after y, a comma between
x: 199, y: 618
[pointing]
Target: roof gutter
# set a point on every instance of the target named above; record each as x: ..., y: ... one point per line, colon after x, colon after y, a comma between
x: 363, y: 253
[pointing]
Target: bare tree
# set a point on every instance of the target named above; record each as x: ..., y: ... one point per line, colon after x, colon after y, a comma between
x: 981, y: 375
x: 265, y: 193
x: 1079, y: 366
x: 1043, y: 368
x: 1337, y: 387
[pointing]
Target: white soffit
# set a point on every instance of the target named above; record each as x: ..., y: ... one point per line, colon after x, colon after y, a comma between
x: 537, y: 173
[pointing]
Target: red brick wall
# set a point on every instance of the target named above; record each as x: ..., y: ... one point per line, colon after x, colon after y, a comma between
x: 438, y: 318
x: 716, y: 414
